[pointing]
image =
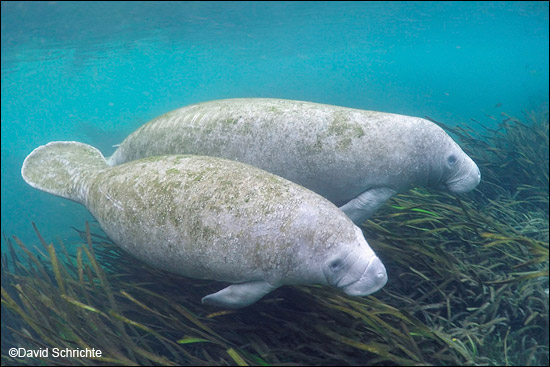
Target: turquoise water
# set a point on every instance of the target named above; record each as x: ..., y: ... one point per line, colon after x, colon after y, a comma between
x: 94, y: 72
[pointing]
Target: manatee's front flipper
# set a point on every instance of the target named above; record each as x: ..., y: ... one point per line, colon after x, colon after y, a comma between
x: 239, y: 295
x: 363, y: 206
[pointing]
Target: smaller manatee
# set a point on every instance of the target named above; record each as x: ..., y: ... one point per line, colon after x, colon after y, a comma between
x: 357, y: 159
x: 211, y: 218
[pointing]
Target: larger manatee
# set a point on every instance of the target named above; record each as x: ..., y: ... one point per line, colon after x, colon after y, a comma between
x: 210, y: 218
x: 355, y: 158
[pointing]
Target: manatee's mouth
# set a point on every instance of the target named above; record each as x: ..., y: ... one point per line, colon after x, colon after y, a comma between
x: 461, y: 183
x: 373, y: 278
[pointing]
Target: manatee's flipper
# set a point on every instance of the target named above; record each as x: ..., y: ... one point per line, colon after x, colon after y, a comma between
x: 60, y: 168
x: 364, y: 205
x: 239, y: 295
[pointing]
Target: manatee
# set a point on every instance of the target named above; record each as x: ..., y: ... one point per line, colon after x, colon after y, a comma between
x: 355, y: 158
x: 211, y: 218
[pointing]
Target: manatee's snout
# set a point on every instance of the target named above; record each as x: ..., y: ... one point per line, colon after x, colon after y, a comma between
x: 466, y: 178
x: 373, y: 278
x: 355, y: 268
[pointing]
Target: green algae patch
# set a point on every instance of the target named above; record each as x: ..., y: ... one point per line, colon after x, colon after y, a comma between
x: 173, y: 171
x: 344, y: 129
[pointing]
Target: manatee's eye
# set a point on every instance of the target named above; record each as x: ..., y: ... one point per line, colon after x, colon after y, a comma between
x: 451, y: 160
x: 335, y: 265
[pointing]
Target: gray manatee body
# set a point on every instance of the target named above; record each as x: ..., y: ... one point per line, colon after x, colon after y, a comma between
x: 210, y: 218
x: 355, y: 158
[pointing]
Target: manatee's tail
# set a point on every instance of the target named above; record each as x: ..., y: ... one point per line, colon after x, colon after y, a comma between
x: 62, y: 168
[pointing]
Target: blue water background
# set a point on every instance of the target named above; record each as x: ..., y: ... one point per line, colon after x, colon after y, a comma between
x: 96, y: 71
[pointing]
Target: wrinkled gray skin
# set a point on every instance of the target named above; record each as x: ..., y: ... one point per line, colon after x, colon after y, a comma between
x: 355, y: 158
x: 211, y: 218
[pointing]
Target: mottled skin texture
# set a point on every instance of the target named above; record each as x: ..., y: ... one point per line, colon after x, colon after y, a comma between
x: 340, y: 153
x: 211, y: 218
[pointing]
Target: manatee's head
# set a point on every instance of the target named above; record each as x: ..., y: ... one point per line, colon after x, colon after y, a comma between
x: 450, y: 167
x: 355, y: 268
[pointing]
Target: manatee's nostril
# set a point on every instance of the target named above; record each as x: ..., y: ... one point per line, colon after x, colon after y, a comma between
x: 379, y: 271
x: 381, y: 279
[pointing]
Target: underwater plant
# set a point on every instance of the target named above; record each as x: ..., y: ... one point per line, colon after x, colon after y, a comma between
x: 468, y: 284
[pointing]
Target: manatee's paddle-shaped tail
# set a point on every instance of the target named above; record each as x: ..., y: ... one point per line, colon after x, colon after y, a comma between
x: 61, y: 167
